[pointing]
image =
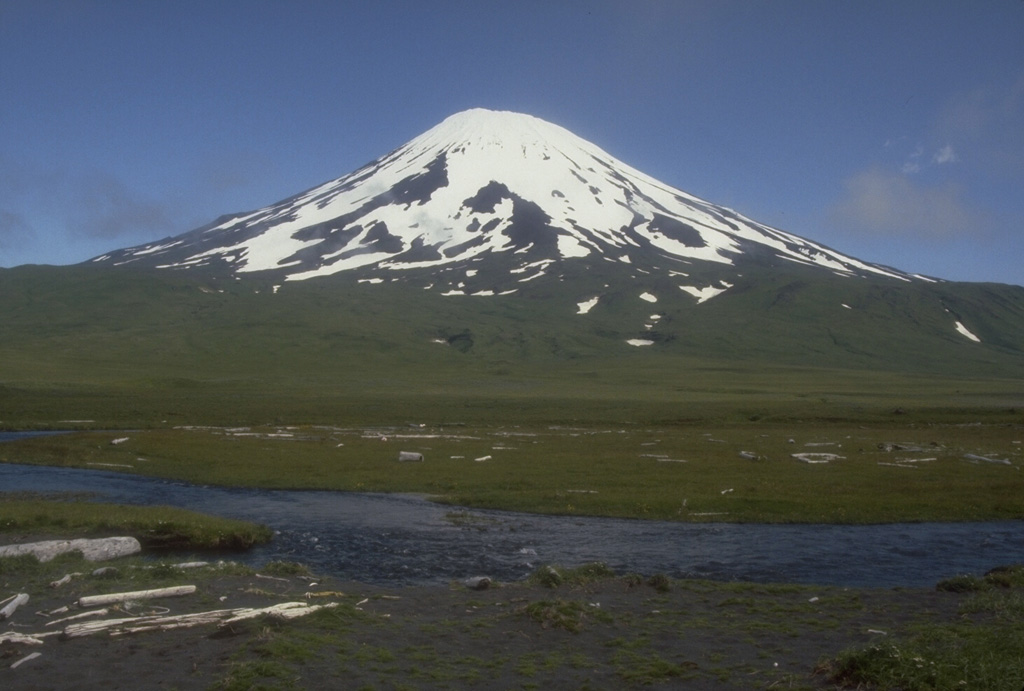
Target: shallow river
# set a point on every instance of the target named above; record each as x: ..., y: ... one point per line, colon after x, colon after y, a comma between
x: 401, y: 539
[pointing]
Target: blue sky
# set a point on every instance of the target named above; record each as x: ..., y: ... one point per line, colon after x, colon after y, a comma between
x: 891, y: 130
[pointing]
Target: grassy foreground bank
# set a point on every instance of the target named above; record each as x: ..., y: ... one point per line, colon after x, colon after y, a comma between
x: 756, y: 470
x: 586, y: 629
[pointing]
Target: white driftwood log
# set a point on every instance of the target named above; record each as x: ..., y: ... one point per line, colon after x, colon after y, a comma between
x: 285, y: 610
x: 99, y: 549
x: 15, y: 602
x: 15, y: 637
x: 222, y: 617
x: 111, y: 598
x: 75, y: 617
x: 30, y: 656
x: 477, y: 583
x: 88, y: 628
x: 64, y: 580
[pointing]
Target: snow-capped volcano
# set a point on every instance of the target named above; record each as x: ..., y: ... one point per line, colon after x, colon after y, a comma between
x: 485, y: 185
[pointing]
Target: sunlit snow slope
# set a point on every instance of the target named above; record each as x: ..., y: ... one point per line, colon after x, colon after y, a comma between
x: 485, y: 184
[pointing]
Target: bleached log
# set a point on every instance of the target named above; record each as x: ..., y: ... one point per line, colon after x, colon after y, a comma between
x: 15, y: 637
x: 180, y: 621
x: 88, y: 628
x: 16, y: 602
x: 987, y: 459
x: 290, y: 614
x: 111, y: 598
x: 30, y: 656
x: 182, y: 565
x: 817, y: 457
x: 323, y: 593
x: 272, y: 578
x: 280, y: 611
x: 99, y: 549
x: 477, y: 583
x: 64, y: 580
x: 75, y: 617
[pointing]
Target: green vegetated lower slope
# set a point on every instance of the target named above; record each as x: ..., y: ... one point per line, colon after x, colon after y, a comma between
x: 128, y: 346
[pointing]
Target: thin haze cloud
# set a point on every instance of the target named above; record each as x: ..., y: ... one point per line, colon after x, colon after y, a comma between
x: 989, y: 118
x: 15, y: 231
x: 82, y: 205
x: 110, y: 209
x: 881, y: 202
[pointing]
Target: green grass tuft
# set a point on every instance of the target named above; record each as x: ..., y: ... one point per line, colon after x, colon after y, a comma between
x: 154, y: 526
x: 981, y: 650
x: 552, y: 577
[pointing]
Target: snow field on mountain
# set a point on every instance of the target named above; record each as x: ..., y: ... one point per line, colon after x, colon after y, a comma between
x: 586, y: 305
x: 706, y: 293
x: 483, y: 183
x: 965, y: 332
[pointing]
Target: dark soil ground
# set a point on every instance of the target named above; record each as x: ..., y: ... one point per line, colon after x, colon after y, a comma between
x: 612, y: 632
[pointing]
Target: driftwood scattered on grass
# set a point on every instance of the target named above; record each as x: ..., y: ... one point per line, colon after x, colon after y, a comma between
x: 88, y: 623
x: 99, y: 549
x: 221, y: 617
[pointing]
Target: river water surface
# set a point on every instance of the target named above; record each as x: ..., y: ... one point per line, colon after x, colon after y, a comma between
x: 400, y: 539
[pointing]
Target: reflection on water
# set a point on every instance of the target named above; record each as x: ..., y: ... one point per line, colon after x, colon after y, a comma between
x: 400, y: 539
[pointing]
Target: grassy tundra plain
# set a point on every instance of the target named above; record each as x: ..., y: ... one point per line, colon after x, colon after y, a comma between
x: 773, y: 472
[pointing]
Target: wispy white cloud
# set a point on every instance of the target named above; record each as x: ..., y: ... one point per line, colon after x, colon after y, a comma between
x: 944, y: 155
x: 916, y: 161
x: 882, y: 202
